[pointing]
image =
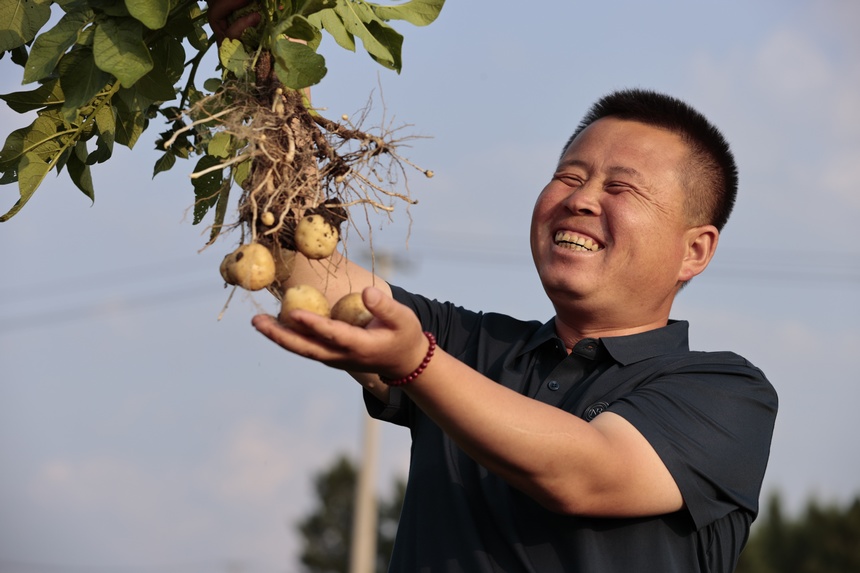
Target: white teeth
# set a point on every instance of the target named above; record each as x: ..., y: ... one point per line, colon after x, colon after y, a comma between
x: 575, y: 242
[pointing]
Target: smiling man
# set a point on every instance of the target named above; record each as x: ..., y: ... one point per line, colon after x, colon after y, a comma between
x: 597, y: 440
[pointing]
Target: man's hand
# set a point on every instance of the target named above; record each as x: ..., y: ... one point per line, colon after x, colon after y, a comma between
x: 219, y: 14
x: 392, y: 345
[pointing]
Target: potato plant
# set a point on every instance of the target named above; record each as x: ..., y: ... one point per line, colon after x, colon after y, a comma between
x: 105, y: 69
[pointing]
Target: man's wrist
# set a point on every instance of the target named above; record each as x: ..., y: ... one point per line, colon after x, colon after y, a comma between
x: 431, y: 349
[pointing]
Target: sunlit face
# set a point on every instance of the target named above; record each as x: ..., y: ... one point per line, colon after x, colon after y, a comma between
x: 609, y: 230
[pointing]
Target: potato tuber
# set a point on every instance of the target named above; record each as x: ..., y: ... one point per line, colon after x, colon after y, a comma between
x: 251, y: 267
x: 350, y: 308
x: 303, y: 297
x: 315, y: 237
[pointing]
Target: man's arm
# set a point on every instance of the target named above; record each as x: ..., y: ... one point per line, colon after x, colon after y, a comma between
x: 601, y: 468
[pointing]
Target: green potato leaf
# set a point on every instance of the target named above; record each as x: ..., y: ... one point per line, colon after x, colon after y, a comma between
x: 297, y: 65
x: 10, y: 154
x: 170, y: 55
x: 381, y: 41
x: 22, y: 21
x: 50, y: 46
x: 31, y: 171
x: 119, y: 50
x: 234, y: 58
x: 331, y: 22
x: 309, y: 7
x: 207, y: 187
x: 156, y: 85
x: 79, y: 171
x: 164, y: 163
x: 416, y: 12
x: 81, y: 79
x: 46, y: 94
x: 298, y: 28
x: 42, y: 139
x: 221, y: 145
x: 220, y: 210
x: 106, y: 126
x: 241, y: 171
x: 152, y: 13
x: 130, y: 116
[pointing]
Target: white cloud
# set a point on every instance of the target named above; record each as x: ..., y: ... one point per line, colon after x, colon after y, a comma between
x: 790, y: 67
x: 96, y: 484
x: 841, y: 176
x: 255, y: 462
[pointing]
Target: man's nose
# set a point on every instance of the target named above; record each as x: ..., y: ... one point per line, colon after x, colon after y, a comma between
x: 584, y: 199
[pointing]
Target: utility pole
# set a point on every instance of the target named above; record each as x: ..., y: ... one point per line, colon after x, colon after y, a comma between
x: 362, y: 556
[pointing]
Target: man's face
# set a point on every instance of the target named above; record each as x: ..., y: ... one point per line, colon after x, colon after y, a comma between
x: 609, y: 230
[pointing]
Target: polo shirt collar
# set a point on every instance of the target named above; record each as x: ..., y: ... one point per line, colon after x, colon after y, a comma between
x: 628, y: 349
x: 637, y: 347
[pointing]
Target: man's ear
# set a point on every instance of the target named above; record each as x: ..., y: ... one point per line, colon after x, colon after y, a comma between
x: 701, y: 243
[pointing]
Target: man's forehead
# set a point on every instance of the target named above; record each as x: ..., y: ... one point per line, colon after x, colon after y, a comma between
x: 622, y: 141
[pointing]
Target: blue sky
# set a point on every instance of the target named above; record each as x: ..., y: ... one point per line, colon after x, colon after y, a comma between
x: 138, y: 430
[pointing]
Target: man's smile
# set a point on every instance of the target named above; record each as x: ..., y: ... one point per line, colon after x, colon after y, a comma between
x: 576, y: 242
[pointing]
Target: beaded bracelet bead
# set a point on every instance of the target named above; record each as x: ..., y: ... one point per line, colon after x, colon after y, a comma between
x: 417, y: 372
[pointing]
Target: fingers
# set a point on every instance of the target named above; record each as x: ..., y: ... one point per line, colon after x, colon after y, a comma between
x: 386, y: 309
x: 311, y: 336
x: 219, y: 13
x: 234, y: 31
x: 393, y: 342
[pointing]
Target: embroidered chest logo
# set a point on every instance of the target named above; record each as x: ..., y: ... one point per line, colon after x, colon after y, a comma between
x: 592, y: 411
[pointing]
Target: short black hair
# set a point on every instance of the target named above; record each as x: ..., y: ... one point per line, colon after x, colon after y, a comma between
x: 711, y: 176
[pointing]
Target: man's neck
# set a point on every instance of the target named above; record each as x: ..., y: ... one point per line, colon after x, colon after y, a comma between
x: 572, y: 329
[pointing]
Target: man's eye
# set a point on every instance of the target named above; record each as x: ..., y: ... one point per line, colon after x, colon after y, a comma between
x: 569, y: 180
x: 617, y: 187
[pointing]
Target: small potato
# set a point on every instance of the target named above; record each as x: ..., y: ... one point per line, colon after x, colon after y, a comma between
x: 350, y: 308
x: 251, y: 266
x: 303, y: 297
x: 224, y: 274
x: 315, y: 237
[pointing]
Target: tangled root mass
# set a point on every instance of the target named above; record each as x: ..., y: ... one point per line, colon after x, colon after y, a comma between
x: 291, y: 161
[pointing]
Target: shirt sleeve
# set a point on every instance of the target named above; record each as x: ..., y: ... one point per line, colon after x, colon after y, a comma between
x: 710, y: 419
x: 453, y: 327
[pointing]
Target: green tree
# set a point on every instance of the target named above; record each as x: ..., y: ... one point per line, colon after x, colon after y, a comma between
x: 327, y: 531
x: 823, y: 539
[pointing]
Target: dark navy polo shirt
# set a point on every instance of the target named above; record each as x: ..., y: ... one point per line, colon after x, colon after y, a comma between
x: 709, y: 415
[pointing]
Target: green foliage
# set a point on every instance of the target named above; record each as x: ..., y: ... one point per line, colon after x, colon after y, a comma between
x: 327, y: 531
x: 106, y: 68
x: 825, y: 539
x: 25, y: 18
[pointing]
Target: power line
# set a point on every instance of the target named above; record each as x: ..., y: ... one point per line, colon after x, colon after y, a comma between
x: 782, y: 267
x: 101, y: 308
x: 778, y: 265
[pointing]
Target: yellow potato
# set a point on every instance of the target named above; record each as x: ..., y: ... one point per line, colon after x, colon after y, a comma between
x: 303, y: 297
x: 224, y: 274
x: 251, y: 266
x: 350, y: 308
x: 315, y: 237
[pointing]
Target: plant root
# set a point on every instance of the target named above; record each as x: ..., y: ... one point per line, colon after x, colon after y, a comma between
x: 290, y: 161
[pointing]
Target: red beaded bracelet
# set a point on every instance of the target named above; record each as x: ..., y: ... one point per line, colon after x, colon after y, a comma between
x: 417, y: 372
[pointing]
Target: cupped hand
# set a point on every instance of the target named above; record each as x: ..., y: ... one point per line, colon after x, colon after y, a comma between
x: 219, y: 14
x: 392, y: 345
